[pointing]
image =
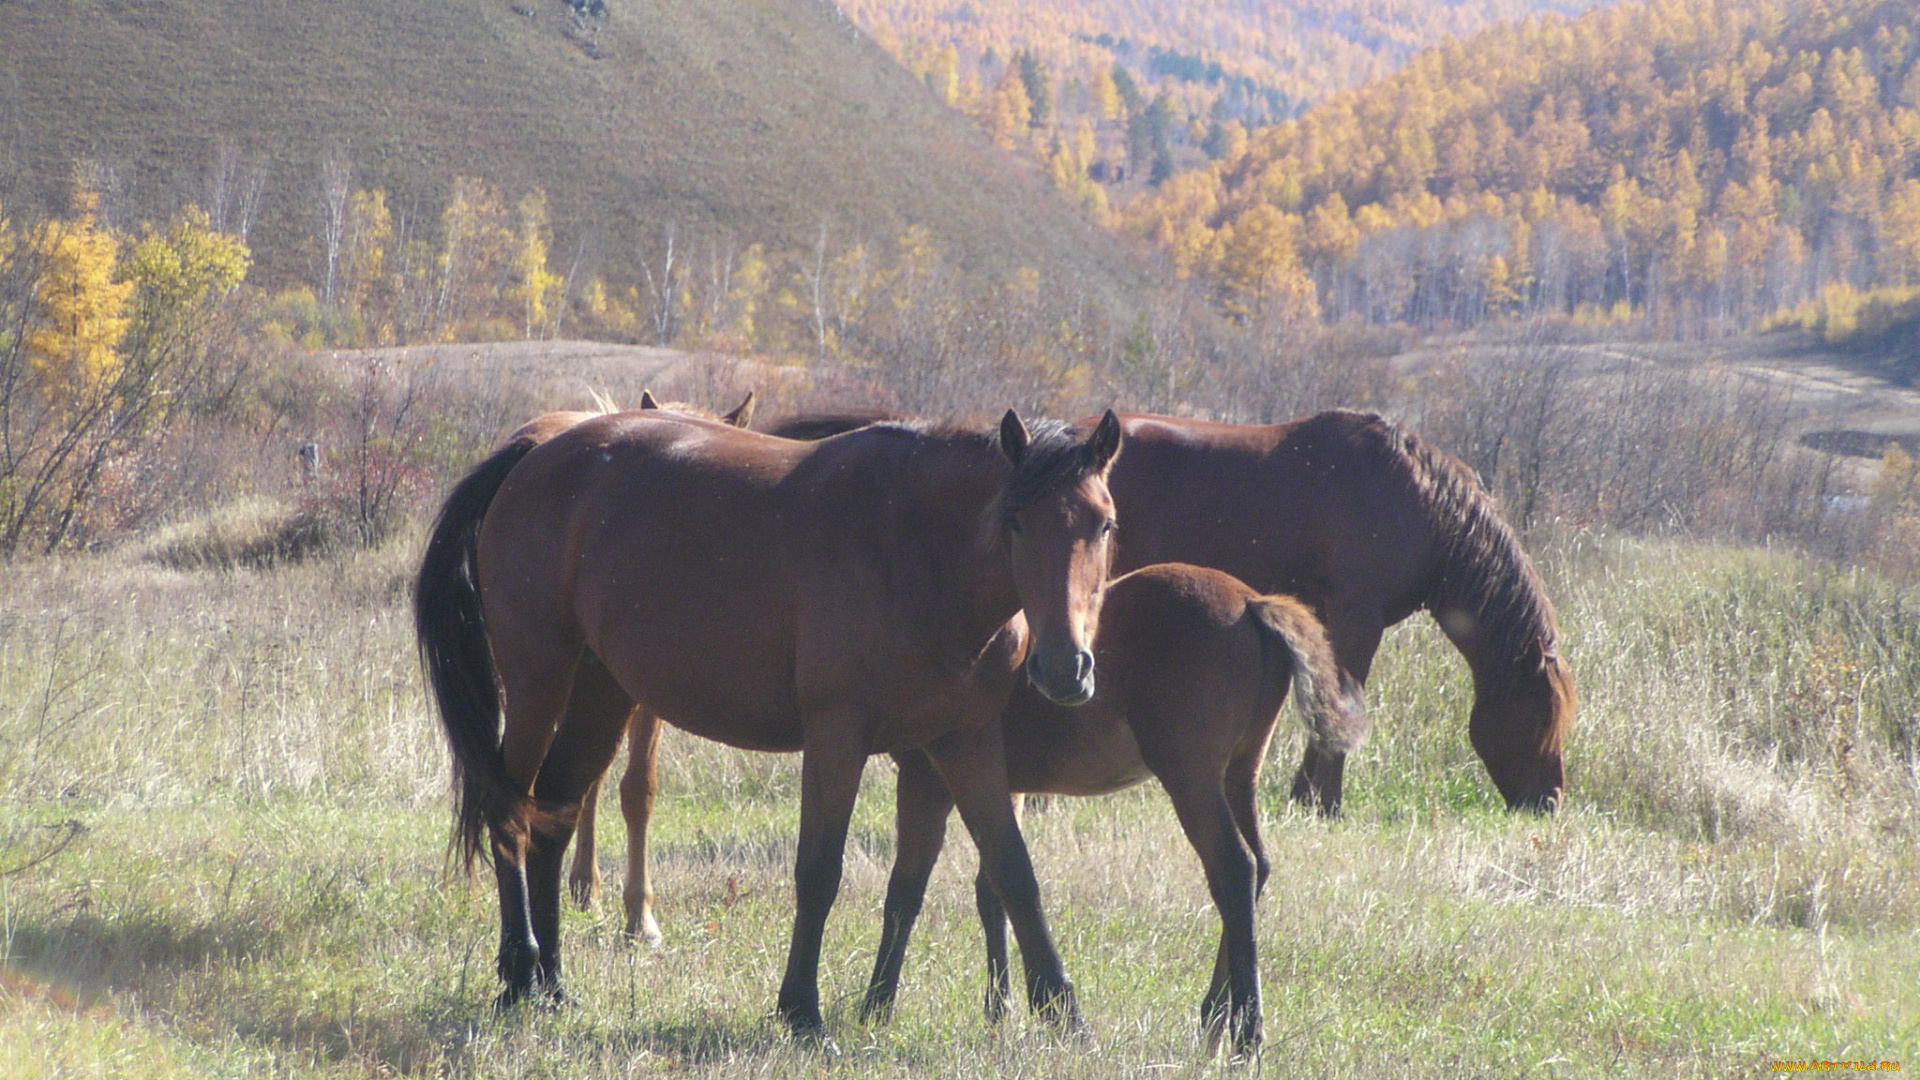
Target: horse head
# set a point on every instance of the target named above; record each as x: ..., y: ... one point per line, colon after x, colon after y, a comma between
x: 1521, y: 719
x: 1057, y: 519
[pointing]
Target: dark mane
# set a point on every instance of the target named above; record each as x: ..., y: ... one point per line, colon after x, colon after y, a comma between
x: 1056, y: 454
x: 1056, y: 458
x: 1482, y: 565
x: 812, y: 427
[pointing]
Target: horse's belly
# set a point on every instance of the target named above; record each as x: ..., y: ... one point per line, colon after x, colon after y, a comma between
x: 727, y: 697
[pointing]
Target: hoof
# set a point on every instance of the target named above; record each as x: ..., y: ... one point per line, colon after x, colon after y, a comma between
x: 508, y: 998
x: 876, y: 1010
x: 810, y: 1033
x: 644, y: 930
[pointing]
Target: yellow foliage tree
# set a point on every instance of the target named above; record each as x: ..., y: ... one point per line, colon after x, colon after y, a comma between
x: 116, y: 340
x: 75, y: 341
x: 1006, y: 110
x: 536, y: 289
x: 368, y: 291
x: 1260, y: 269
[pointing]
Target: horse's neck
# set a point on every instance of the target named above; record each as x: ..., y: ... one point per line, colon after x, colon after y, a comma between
x: 976, y: 575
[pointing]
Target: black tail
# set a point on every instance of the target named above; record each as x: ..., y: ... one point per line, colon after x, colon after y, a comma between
x: 451, y: 627
x: 1329, y: 704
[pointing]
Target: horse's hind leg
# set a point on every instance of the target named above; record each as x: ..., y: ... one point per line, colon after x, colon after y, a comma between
x: 1353, y: 631
x: 582, y: 748
x: 637, y: 791
x: 584, y: 879
x: 920, y: 831
x: 536, y: 677
x: 1231, y: 877
x: 1241, y: 788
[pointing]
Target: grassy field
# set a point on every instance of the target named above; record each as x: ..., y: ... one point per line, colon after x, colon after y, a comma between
x: 260, y: 887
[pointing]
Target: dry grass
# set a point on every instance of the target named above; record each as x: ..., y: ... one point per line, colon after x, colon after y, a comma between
x: 261, y: 889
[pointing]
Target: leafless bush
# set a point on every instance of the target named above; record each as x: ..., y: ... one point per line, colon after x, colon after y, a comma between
x: 1571, y: 433
x: 379, y: 453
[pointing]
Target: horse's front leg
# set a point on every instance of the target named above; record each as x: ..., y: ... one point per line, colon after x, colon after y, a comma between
x: 993, y: 929
x: 833, y: 758
x: 973, y: 764
x: 920, y: 825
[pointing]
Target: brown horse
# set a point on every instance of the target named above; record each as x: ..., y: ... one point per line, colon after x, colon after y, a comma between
x: 1194, y: 667
x: 547, y: 425
x: 1367, y: 524
x: 1364, y: 522
x: 870, y: 593
x: 641, y: 780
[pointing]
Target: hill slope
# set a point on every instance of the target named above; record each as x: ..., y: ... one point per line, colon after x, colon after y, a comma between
x: 1704, y: 161
x: 754, y: 118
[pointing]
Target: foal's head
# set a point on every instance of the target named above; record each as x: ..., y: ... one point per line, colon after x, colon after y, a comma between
x: 1057, y: 518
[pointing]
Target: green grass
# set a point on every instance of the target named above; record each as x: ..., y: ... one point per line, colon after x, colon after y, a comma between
x: 262, y: 887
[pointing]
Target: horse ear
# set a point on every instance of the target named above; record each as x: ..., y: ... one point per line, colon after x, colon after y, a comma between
x: 742, y: 415
x: 1013, y: 437
x: 646, y: 400
x: 1104, y: 444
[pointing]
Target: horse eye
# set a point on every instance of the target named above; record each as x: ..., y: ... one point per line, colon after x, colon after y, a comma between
x: 1109, y: 527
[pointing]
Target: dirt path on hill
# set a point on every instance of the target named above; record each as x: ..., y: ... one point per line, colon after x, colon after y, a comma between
x: 567, y: 374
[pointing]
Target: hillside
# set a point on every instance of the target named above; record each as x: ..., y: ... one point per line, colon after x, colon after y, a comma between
x: 1115, y: 94
x: 758, y: 120
x: 1704, y: 162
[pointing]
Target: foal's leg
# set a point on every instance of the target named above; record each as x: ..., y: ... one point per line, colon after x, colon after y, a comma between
x: 582, y: 748
x: 920, y: 829
x: 637, y: 790
x: 830, y: 770
x: 973, y: 764
x: 1209, y: 824
x: 1241, y: 787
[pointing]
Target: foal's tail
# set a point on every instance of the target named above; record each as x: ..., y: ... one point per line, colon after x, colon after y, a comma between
x: 1330, y: 704
x: 451, y: 627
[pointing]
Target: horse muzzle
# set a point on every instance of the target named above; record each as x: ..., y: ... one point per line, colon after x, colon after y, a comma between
x: 1063, y: 676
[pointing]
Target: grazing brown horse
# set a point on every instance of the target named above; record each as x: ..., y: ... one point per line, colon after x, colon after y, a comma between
x: 1365, y: 523
x: 1194, y: 667
x: 870, y: 593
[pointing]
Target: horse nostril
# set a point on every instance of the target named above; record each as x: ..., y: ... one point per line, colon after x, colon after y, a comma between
x: 1082, y: 665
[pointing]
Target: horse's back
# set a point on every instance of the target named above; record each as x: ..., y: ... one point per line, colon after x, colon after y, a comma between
x: 1311, y: 507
